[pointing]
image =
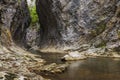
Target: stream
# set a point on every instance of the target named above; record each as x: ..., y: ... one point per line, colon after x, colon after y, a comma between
x: 89, y: 69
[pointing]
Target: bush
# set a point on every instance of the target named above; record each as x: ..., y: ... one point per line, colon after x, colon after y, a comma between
x: 33, y: 14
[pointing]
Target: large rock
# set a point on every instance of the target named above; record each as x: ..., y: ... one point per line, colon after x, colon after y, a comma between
x: 49, y: 69
x: 14, y: 61
x: 73, y: 23
x: 73, y: 56
x: 14, y: 20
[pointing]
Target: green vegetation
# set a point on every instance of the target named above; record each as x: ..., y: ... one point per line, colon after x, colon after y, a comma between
x: 33, y: 14
x: 102, y: 44
x: 99, y: 29
x: 93, y: 33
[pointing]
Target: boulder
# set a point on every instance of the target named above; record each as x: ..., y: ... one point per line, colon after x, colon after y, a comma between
x: 73, y: 56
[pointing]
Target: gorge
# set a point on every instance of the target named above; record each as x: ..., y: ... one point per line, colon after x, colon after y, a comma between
x: 78, y: 29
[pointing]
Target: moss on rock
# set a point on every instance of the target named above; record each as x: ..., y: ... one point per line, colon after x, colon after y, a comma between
x: 98, y: 30
x: 101, y: 27
x: 101, y: 45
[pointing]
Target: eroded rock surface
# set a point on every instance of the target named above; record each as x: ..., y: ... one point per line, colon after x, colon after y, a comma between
x: 73, y: 56
x: 71, y: 24
x: 14, y: 61
x: 14, y: 20
x: 50, y: 69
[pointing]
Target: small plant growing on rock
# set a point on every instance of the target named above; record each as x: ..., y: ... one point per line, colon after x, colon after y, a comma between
x: 33, y: 14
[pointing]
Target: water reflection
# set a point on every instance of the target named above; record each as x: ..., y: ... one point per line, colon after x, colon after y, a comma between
x: 90, y: 69
x: 93, y: 69
x: 73, y: 69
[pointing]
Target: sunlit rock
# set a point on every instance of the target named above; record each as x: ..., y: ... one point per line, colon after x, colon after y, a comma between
x: 73, y: 56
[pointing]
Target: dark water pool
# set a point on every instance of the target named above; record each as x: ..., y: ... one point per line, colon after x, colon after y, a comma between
x: 89, y: 69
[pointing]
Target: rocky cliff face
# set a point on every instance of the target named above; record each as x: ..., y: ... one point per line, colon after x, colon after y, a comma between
x: 49, y: 30
x: 79, y: 24
x: 16, y: 63
x: 83, y: 26
x: 14, y: 20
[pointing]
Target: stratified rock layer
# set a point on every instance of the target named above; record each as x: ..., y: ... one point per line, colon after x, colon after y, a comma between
x: 76, y: 24
x: 14, y: 61
x: 14, y: 20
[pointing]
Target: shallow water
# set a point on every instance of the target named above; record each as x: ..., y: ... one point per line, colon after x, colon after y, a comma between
x: 89, y: 69
x: 93, y: 69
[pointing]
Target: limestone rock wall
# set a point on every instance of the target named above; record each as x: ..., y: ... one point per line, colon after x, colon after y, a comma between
x: 76, y: 24
x: 14, y: 20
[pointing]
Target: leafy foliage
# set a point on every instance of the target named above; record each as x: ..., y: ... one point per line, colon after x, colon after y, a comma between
x: 33, y: 14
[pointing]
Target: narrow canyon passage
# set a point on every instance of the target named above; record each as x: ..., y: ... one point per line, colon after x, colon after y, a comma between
x: 59, y: 39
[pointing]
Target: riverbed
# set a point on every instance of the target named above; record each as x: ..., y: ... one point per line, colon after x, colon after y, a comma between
x: 90, y: 69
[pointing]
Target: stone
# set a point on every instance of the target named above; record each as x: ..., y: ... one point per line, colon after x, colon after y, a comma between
x: 52, y: 68
x: 14, y: 20
x: 73, y: 56
x: 71, y: 24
